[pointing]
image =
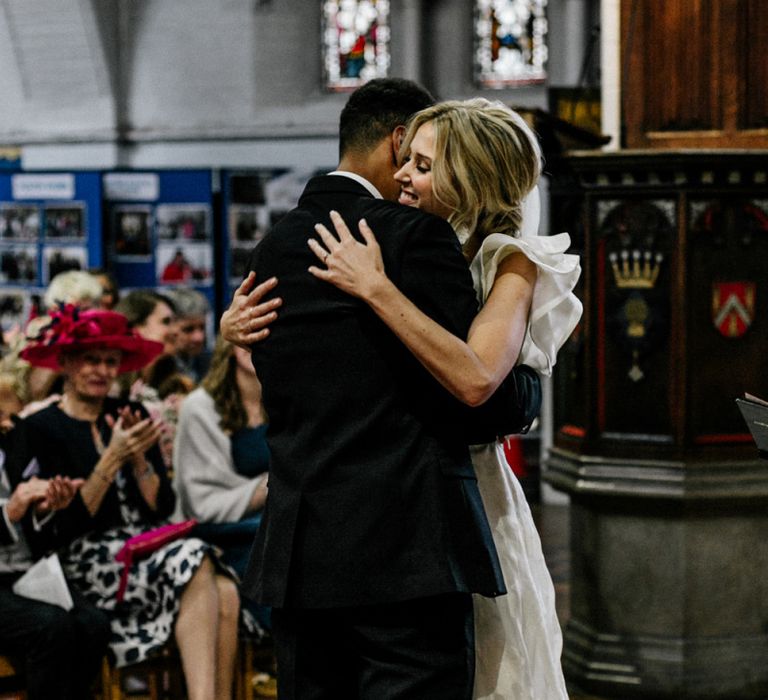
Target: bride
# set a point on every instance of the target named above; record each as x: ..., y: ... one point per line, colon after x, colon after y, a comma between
x: 476, y: 164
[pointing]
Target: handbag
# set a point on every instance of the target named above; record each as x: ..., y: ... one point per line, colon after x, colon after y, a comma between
x: 143, y: 544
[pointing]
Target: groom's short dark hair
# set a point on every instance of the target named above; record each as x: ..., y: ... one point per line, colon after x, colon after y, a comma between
x: 376, y: 109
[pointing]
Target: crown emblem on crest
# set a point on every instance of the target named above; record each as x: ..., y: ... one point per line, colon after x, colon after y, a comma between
x: 635, y: 269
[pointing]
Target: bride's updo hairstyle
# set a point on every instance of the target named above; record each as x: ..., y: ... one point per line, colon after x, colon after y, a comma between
x: 487, y: 160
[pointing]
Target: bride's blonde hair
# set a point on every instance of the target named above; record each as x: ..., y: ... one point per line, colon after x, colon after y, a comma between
x: 487, y: 160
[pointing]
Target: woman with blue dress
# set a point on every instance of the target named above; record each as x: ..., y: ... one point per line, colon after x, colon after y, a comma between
x: 221, y: 458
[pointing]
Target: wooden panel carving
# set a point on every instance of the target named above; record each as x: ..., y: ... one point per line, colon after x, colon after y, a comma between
x: 727, y: 297
x: 675, y: 294
x: 754, y: 66
x: 571, y: 392
x: 633, y: 257
x: 693, y: 73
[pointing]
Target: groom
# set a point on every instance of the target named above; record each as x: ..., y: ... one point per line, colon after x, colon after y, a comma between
x: 374, y: 534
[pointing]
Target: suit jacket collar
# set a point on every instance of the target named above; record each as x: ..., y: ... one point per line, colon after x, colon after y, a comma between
x: 363, y: 181
x: 328, y: 184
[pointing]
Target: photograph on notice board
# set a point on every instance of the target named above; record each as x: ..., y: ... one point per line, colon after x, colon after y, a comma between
x: 248, y: 187
x: 14, y: 308
x: 20, y: 222
x: 18, y: 264
x: 58, y: 259
x: 189, y: 263
x: 131, y: 232
x: 247, y: 223
x: 65, y: 221
x: 284, y: 187
x: 183, y: 222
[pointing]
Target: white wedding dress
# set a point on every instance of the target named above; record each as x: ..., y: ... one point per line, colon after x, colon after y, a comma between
x: 517, y: 636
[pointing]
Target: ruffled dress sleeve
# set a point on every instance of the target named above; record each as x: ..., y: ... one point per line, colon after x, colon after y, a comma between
x: 555, y: 309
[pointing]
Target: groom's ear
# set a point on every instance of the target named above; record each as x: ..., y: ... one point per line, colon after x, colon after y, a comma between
x: 397, y: 140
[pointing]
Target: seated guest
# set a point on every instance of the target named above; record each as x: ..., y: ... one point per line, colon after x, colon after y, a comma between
x: 221, y: 456
x: 61, y: 650
x: 179, y: 590
x: 159, y: 385
x: 110, y: 292
x: 73, y: 287
x: 14, y: 388
x: 152, y: 315
x: 192, y: 310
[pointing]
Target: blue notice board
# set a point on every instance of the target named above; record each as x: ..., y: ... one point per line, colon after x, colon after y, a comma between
x: 253, y: 201
x: 159, y: 228
x: 50, y: 222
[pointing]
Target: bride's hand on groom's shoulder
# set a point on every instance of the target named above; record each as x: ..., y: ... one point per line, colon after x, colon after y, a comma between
x: 354, y: 267
x: 247, y: 319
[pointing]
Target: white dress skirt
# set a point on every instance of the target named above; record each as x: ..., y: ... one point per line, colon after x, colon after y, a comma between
x: 518, y: 640
x: 517, y: 636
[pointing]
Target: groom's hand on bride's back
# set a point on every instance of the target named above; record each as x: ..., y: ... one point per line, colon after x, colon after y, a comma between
x: 528, y: 391
x: 247, y: 319
x: 510, y: 410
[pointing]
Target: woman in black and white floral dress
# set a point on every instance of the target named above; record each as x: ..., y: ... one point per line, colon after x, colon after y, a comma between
x: 176, y: 591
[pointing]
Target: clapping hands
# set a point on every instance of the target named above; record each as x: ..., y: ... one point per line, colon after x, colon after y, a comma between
x: 59, y: 494
x: 132, y: 435
x: 47, y: 495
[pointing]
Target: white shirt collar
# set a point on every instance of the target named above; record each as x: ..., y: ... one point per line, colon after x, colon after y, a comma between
x: 359, y: 178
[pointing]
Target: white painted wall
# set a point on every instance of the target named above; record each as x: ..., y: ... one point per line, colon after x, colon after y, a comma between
x: 13, y: 100
x: 53, y: 72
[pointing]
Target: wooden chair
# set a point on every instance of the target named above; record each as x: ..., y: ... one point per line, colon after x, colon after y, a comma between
x: 253, y: 659
x: 10, y: 671
x: 162, y: 673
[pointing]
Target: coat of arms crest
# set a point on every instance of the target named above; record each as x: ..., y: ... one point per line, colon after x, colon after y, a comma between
x: 733, y: 307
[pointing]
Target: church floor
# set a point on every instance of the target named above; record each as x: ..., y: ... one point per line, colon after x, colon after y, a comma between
x: 553, y: 525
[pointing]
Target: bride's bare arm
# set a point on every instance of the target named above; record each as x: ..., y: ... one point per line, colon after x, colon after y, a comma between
x: 470, y: 370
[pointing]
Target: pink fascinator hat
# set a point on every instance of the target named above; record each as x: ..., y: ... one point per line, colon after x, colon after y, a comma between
x: 72, y: 330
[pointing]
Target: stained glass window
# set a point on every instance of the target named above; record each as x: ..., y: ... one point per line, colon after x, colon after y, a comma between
x: 355, y: 42
x: 510, y: 42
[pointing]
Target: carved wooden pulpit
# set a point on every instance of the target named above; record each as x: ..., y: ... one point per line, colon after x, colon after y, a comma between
x: 669, y: 501
x: 669, y: 516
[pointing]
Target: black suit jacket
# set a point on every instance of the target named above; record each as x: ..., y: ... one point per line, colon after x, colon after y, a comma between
x: 372, y: 496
